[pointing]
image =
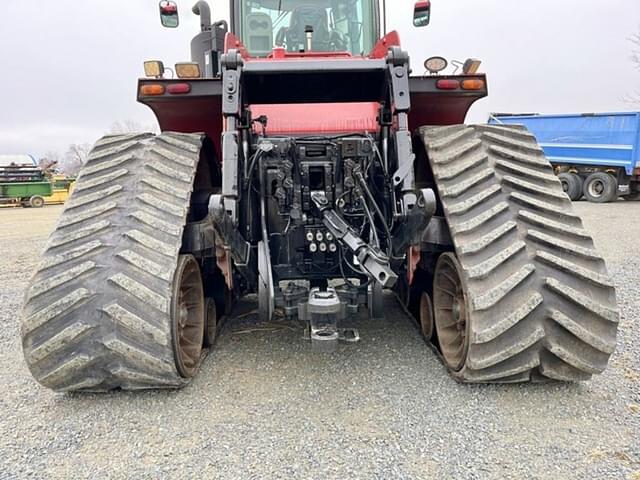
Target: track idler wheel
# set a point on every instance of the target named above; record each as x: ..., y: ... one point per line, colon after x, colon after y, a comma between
x: 425, y: 316
x: 211, y: 323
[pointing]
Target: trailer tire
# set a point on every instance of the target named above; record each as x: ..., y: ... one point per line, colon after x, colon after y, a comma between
x: 530, y: 296
x: 600, y: 187
x: 36, y: 201
x: 572, y: 185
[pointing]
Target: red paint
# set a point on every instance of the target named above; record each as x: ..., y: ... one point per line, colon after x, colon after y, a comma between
x: 168, y: 8
x: 189, y: 115
x: 279, y: 53
x: 423, y: 5
x: 232, y: 42
x: 439, y: 109
x: 204, y: 114
x: 301, y: 55
x: 413, y: 257
x: 319, y: 118
x: 381, y: 48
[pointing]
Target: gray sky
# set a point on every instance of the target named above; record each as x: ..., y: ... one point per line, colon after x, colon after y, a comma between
x: 69, y: 67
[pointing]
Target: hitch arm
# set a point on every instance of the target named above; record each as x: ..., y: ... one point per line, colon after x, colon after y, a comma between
x: 374, y: 262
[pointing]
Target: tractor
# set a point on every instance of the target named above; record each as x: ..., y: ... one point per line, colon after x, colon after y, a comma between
x: 302, y: 161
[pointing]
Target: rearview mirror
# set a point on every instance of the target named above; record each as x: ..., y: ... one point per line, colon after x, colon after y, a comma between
x: 169, y: 14
x: 422, y: 13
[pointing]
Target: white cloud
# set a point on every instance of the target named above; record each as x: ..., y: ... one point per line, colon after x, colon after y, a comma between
x: 69, y: 68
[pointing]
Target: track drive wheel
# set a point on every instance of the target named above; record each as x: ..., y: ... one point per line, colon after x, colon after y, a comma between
x: 188, y: 315
x: 113, y: 304
x: 525, y: 295
x: 451, y: 311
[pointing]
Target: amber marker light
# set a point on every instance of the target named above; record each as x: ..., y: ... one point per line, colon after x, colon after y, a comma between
x: 473, y: 84
x: 152, y: 89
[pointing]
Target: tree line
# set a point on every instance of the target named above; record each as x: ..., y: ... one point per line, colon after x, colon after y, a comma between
x: 75, y: 156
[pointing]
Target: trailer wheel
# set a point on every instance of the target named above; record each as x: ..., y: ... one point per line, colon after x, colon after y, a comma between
x: 36, y: 201
x: 601, y: 187
x: 572, y: 185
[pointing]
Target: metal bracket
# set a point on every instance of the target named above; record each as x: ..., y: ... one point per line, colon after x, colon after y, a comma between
x: 411, y: 232
x: 231, y: 87
x: 398, y: 61
x: 230, y: 174
x: 403, y: 177
x: 323, y: 311
x: 406, y: 158
x: 374, y: 262
x: 266, y: 289
x: 230, y: 238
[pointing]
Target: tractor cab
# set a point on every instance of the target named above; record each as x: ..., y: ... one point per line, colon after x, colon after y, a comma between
x: 300, y: 25
x: 302, y: 160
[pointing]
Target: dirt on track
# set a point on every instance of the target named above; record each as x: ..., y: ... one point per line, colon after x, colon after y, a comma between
x: 265, y: 406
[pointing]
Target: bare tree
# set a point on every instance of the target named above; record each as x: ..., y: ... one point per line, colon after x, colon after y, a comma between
x: 125, y: 126
x: 75, y: 158
x: 49, y: 161
x: 131, y: 126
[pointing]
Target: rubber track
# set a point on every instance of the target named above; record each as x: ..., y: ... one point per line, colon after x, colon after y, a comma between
x: 97, y: 311
x: 541, y: 303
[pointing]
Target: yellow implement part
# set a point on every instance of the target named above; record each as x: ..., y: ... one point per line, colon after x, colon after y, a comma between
x: 59, y: 195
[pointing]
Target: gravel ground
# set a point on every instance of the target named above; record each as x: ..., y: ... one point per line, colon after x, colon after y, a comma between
x: 264, y: 406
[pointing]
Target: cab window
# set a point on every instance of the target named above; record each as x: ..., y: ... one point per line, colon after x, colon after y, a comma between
x: 338, y: 25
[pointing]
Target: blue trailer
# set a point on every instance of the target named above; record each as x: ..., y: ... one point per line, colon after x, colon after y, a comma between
x: 595, y: 155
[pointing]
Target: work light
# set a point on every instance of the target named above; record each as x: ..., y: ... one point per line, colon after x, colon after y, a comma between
x: 154, y: 68
x: 188, y: 70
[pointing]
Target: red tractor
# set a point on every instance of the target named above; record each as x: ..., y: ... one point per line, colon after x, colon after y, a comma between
x: 300, y: 160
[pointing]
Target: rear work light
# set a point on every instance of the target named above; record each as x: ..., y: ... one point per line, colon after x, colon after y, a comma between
x: 473, y: 84
x: 444, y: 84
x: 154, y: 68
x: 188, y: 70
x: 152, y: 89
x: 178, y: 88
